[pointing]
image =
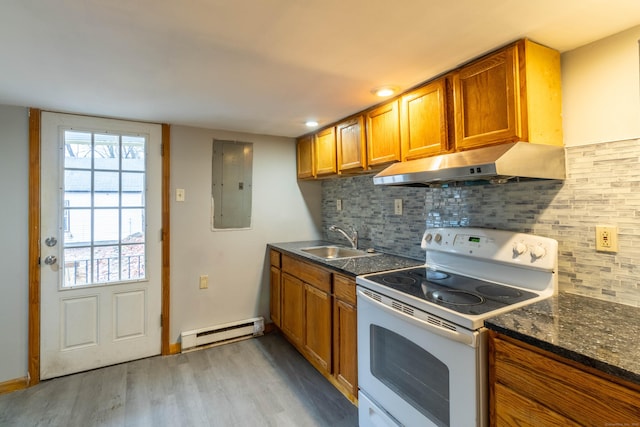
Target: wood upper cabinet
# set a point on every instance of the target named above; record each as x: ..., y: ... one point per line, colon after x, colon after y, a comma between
x: 345, y: 334
x: 351, y: 144
x: 306, y: 155
x: 325, y: 152
x: 423, y: 121
x: 513, y: 94
x: 531, y: 387
x: 275, y: 288
x: 383, y: 134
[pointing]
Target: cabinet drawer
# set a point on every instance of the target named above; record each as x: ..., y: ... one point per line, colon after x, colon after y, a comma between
x: 344, y: 288
x: 274, y: 258
x: 563, y: 389
x: 308, y: 273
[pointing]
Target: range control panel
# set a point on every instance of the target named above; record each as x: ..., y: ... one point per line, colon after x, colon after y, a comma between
x: 496, y: 245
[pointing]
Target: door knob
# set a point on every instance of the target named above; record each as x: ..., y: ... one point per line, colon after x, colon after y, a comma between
x: 50, y: 241
x: 50, y: 260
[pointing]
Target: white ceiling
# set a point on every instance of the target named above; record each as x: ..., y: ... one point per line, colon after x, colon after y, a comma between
x: 263, y: 66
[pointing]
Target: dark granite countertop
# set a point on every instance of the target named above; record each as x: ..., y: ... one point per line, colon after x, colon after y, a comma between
x: 348, y: 266
x: 599, y: 334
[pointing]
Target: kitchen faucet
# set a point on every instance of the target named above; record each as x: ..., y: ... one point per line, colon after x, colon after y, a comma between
x: 353, y: 239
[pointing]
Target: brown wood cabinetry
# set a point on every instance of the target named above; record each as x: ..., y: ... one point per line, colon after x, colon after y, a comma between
x: 325, y: 152
x: 423, y: 121
x: 513, y: 94
x: 292, y: 308
x: 317, y: 330
x: 306, y: 157
x: 318, y: 316
x: 312, y: 331
x: 275, y: 287
x: 345, y: 338
x: 351, y: 143
x: 531, y: 387
x: 383, y: 134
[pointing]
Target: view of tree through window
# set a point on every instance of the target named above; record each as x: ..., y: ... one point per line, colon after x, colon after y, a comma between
x: 104, y: 207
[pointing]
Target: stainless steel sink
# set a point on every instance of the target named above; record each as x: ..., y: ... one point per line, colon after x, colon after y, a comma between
x: 336, y: 252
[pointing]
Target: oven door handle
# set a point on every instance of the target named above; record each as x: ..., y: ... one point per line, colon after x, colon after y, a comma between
x: 468, y: 339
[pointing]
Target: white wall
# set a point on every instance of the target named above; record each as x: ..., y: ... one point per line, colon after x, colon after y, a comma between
x: 283, y: 210
x: 14, y: 246
x: 601, y: 90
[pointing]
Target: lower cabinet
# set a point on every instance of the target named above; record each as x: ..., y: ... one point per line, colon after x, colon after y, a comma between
x: 531, y: 387
x: 317, y: 327
x: 292, y: 309
x: 345, y: 342
x: 317, y: 314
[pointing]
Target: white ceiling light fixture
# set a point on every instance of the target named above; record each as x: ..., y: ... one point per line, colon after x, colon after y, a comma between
x: 384, y: 91
x: 311, y: 123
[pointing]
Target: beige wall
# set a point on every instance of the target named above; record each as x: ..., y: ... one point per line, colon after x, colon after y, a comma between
x: 601, y: 90
x: 283, y: 210
x: 14, y: 250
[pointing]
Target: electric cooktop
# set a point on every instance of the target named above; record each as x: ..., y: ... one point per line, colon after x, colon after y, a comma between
x: 461, y: 294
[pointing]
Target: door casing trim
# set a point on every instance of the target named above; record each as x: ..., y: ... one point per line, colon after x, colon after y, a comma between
x: 34, y: 243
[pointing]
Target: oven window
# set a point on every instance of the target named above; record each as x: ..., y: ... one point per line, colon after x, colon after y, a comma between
x: 414, y: 374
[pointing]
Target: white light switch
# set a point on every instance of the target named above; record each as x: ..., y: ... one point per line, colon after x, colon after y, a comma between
x: 338, y: 204
x: 397, y: 206
x: 179, y: 194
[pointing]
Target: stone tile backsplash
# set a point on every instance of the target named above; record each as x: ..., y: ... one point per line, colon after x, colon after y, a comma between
x: 602, y: 187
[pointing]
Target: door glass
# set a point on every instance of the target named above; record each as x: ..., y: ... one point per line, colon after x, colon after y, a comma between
x: 412, y: 373
x: 104, y: 208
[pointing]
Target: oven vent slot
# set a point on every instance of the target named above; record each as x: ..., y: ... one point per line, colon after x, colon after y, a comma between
x: 440, y: 323
x: 372, y: 295
x: 401, y: 307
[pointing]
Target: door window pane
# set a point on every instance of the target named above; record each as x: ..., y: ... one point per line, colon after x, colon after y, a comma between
x: 104, y: 210
x: 411, y: 372
x: 106, y: 189
x: 106, y: 152
x: 106, y: 264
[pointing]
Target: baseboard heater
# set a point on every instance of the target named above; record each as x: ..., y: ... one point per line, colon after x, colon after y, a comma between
x: 221, y: 334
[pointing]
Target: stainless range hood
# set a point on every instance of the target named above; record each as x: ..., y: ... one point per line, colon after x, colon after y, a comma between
x: 496, y: 164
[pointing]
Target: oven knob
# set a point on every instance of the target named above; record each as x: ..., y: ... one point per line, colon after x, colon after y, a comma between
x: 519, y: 248
x: 538, y: 252
x: 438, y: 238
x: 428, y: 238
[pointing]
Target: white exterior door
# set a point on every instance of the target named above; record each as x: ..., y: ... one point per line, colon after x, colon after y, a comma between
x: 100, y: 248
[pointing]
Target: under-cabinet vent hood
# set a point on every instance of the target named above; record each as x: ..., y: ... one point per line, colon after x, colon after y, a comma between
x: 497, y: 164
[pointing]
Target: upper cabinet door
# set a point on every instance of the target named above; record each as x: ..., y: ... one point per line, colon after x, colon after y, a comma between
x: 305, y: 157
x: 383, y: 134
x: 486, y: 101
x: 514, y: 94
x: 325, y: 150
x: 423, y: 121
x: 351, y: 145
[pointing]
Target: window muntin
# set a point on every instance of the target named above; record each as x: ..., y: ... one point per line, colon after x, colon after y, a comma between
x: 104, y: 210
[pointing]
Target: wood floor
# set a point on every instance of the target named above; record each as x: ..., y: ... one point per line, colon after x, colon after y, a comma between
x: 257, y: 382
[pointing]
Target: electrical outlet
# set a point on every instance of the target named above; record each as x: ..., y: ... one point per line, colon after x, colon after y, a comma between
x: 204, y: 281
x: 607, y: 238
x: 397, y: 206
x: 339, y: 204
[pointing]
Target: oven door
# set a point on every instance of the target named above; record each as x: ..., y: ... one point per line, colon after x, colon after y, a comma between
x: 414, y: 372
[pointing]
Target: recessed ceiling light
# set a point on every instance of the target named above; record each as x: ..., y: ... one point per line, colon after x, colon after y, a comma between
x: 384, y: 91
x: 311, y: 123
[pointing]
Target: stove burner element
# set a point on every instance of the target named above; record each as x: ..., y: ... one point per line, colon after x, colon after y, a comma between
x: 399, y: 280
x: 456, y: 297
x: 499, y: 291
